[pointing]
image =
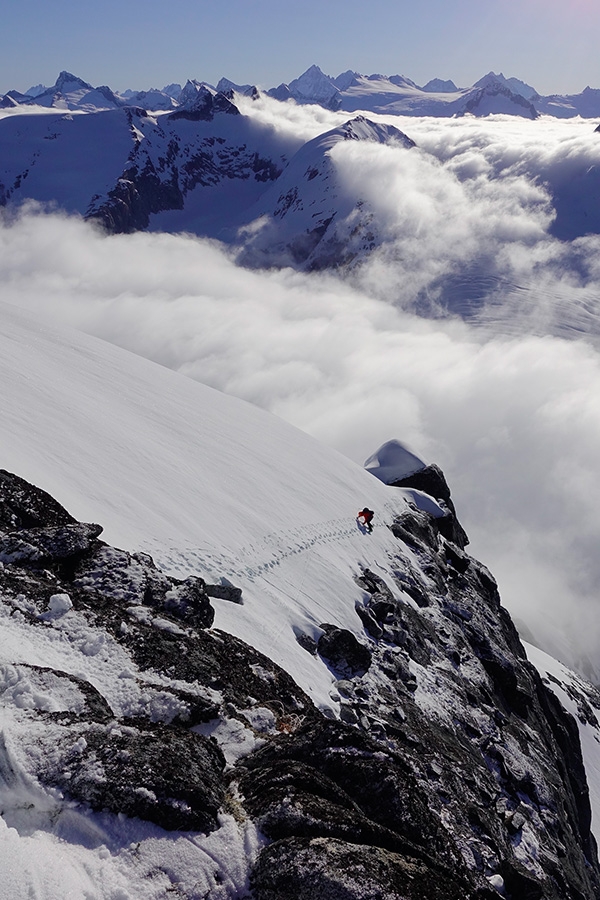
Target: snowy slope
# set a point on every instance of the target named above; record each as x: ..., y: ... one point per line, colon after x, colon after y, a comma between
x: 397, y: 95
x: 207, y: 484
x: 64, y: 158
x: 585, y: 104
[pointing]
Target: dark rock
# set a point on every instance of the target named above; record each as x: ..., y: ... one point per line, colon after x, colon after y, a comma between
x: 95, y: 707
x: 221, y: 662
x: 290, y: 798
x: 415, y: 590
x: 38, y: 546
x: 451, y: 760
x: 135, y: 580
x: 22, y: 505
x: 417, y: 529
x: 205, y: 106
x: 189, y: 601
x: 165, y: 775
x: 342, y: 651
x: 304, y: 868
x: 431, y: 480
x: 381, y: 607
x: 307, y: 642
x: 224, y: 592
x: 136, y: 196
x: 379, y: 792
x: 374, y: 584
x: 372, y: 626
x: 459, y: 560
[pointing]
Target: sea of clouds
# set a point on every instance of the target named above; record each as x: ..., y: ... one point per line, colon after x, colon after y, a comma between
x: 505, y: 396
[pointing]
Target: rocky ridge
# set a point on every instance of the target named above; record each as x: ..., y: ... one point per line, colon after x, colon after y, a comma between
x: 452, y: 772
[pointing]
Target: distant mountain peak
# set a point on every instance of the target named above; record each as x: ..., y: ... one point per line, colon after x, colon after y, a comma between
x: 362, y: 129
x: 172, y: 90
x: 515, y: 85
x: 36, y: 89
x: 490, y: 78
x: 200, y: 102
x: 225, y: 85
x: 401, y: 81
x: 439, y: 86
x: 67, y: 81
x: 346, y: 79
x: 190, y: 91
x: 313, y: 86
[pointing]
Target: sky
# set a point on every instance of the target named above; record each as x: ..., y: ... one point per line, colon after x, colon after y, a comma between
x: 551, y: 45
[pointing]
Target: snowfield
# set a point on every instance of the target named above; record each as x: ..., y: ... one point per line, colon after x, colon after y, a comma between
x: 205, y: 483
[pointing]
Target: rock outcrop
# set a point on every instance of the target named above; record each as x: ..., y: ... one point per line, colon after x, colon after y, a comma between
x: 451, y: 772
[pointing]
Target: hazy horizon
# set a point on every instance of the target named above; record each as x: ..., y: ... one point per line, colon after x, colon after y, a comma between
x: 142, y: 45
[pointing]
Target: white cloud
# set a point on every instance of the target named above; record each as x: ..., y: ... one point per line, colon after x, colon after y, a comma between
x: 509, y: 410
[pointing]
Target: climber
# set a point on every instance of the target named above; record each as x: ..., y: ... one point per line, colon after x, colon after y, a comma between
x: 365, y: 516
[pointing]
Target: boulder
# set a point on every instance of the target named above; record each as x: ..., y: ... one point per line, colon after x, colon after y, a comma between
x: 340, y: 649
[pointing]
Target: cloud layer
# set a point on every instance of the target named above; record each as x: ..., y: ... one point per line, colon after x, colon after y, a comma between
x: 506, y: 406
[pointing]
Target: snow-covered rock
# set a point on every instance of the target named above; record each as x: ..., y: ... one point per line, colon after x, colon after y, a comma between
x: 36, y: 90
x: 392, y: 462
x: 494, y: 96
x: 191, y: 91
x: 439, y: 715
x: 515, y: 85
x: 152, y: 100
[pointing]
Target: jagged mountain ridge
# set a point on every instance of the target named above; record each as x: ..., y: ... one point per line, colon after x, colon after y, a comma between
x: 377, y: 727
x: 400, y: 96
x: 350, y: 91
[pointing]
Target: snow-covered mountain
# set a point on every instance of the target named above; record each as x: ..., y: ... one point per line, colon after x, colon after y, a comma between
x: 440, y: 85
x: 125, y: 166
x: 208, y: 168
x: 305, y: 219
x: 310, y: 87
x: 495, y: 96
x: 70, y: 92
x: 349, y: 91
x: 515, y: 85
x: 289, y: 706
x: 399, y: 95
x: 185, y: 159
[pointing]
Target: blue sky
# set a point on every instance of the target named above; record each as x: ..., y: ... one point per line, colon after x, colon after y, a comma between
x: 551, y: 44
